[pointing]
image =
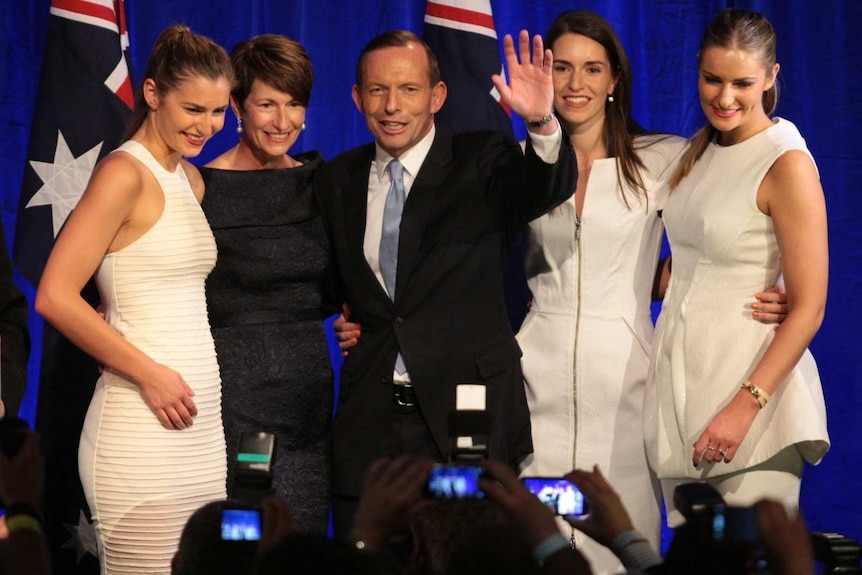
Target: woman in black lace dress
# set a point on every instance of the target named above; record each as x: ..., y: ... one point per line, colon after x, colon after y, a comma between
x: 266, y: 294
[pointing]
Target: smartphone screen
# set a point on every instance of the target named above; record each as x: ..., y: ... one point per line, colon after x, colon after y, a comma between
x: 454, y: 482
x: 559, y: 494
x: 255, y: 451
x: 240, y: 524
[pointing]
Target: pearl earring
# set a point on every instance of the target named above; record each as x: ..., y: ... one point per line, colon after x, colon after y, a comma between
x: 611, y: 98
x: 239, y: 125
x: 303, y: 126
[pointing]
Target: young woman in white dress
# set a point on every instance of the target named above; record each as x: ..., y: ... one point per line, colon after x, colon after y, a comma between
x: 731, y: 401
x: 152, y: 449
x: 591, y: 266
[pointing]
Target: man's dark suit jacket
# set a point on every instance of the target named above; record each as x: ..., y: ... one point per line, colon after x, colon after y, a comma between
x: 449, y: 319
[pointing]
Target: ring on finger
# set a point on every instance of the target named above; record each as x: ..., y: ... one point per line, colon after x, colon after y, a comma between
x: 722, y: 452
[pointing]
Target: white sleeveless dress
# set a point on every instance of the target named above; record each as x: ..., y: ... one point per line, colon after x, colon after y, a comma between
x: 143, y: 481
x: 724, y: 250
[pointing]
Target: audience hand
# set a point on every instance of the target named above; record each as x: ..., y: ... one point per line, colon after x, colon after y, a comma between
x: 277, y: 522
x: 346, y: 333
x: 787, y: 539
x: 392, y: 487
x: 608, y: 516
x: 21, y: 476
x: 503, y: 487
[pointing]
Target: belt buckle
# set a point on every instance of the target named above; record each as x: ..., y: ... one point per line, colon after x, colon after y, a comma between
x: 404, y: 396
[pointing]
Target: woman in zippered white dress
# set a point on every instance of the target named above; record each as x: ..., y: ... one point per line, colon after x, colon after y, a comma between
x: 590, y: 265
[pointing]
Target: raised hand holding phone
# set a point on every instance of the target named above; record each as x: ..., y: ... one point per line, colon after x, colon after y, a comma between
x: 608, y: 516
x: 559, y: 494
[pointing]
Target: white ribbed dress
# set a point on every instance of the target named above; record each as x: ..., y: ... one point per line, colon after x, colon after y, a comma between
x: 586, y: 341
x: 724, y: 250
x: 143, y: 481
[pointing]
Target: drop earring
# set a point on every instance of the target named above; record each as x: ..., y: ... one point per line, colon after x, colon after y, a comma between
x: 239, y: 125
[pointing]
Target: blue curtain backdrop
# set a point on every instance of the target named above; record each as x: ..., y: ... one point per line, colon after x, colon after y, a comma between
x: 818, y: 41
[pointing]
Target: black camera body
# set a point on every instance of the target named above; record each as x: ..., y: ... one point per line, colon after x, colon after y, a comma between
x: 729, y: 535
x: 253, y: 467
x: 469, y: 426
x: 469, y: 436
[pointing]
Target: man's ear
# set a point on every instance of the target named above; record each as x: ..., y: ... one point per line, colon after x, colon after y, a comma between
x: 357, y: 98
x: 438, y: 96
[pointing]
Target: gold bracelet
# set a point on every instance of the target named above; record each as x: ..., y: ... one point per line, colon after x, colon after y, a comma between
x: 760, y: 395
x: 23, y: 523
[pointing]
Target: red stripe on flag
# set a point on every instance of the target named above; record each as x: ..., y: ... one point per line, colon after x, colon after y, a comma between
x: 126, y: 93
x: 86, y: 9
x: 121, y: 16
x: 460, y: 15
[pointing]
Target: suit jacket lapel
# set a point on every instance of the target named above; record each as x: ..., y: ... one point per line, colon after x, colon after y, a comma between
x: 355, y: 199
x: 417, y: 208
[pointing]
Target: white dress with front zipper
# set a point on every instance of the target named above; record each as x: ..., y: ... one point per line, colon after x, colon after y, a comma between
x: 586, y: 340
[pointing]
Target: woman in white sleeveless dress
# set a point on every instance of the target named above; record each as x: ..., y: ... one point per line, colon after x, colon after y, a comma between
x: 728, y: 400
x: 152, y: 449
x: 591, y: 264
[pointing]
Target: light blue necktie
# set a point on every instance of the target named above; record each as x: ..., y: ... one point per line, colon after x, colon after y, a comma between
x: 389, y: 238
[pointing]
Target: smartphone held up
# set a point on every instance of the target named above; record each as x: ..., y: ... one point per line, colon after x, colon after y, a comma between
x: 240, y: 524
x: 561, y: 495
x: 448, y: 481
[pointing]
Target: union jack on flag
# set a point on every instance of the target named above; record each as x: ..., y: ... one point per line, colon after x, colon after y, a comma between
x: 463, y: 36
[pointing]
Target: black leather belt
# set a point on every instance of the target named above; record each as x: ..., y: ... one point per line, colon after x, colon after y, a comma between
x: 404, y: 395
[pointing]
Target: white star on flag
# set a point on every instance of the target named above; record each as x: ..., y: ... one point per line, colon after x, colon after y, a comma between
x: 82, y: 537
x: 63, y: 181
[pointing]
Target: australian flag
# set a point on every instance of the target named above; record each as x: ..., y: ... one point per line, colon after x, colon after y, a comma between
x: 464, y: 38
x: 84, y: 102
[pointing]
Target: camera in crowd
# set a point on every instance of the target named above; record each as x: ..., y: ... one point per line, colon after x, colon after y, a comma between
x: 253, y: 467
x: 453, y: 481
x: 241, y: 522
x: 729, y: 535
x: 469, y: 426
x: 469, y: 447
x: 561, y: 495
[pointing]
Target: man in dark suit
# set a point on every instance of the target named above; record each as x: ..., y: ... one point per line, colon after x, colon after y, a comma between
x: 431, y: 304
